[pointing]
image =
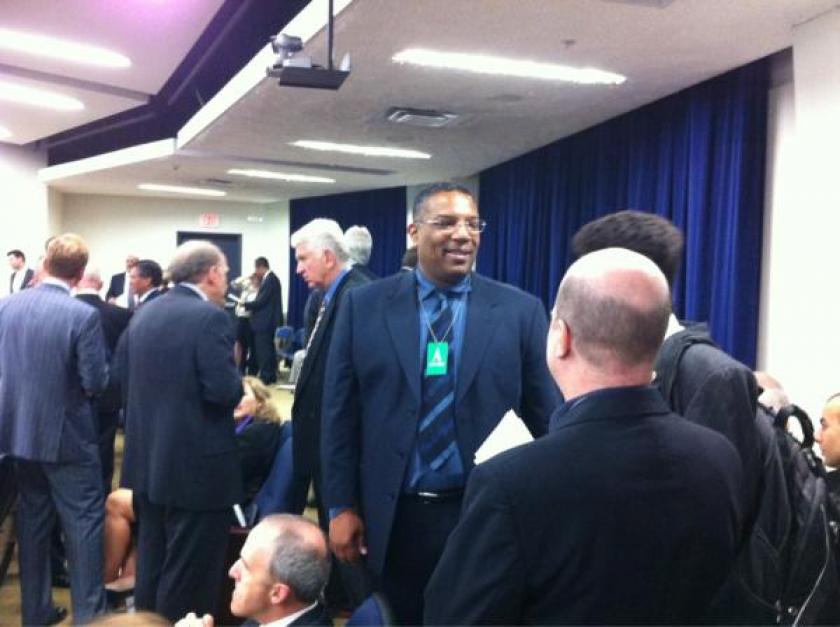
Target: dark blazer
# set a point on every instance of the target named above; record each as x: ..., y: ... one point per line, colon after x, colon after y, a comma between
x: 624, y: 513
x: 181, y: 386
x: 267, y: 308
x: 114, y: 321
x: 27, y: 277
x: 52, y: 361
x: 372, y: 389
x: 152, y: 296
x: 365, y: 271
x: 309, y: 389
x: 116, y: 286
x: 257, y: 445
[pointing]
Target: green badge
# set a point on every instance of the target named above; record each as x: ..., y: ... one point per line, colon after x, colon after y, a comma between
x: 437, y: 358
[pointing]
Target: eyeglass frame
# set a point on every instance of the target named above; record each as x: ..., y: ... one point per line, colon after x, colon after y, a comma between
x: 451, y: 228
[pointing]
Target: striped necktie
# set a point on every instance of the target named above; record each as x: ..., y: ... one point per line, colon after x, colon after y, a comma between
x: 315, y: 326
x: 436, y: 430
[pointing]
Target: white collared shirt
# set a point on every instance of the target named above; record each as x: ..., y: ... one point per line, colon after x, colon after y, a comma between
x: 195, y: 289
x: 288, y: 620
x: 145, y: 296
x: 17, y: 281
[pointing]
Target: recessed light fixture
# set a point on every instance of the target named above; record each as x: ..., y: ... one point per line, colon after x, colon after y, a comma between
x: 178, y: 189
x: 501, y: 66
x: 62, y: 49
x: 281, y: 176
x: 367, y: 151
x: 10, y: 92
x: 5, y: 133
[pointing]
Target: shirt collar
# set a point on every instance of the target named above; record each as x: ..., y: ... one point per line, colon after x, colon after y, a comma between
x: 87, y: 291
x: 425, y: 287
x: 288, y: 620
x: 334, y: 285
x: 145, y: 296
x: 51, y: 280
x: 195, y: 289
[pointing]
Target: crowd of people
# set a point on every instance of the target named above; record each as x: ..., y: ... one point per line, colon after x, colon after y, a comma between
x: 630, y: 504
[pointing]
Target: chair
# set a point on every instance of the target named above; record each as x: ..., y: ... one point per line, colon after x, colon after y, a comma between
x: 283, y: 490
x: 283, y: 339
x: 374, y: 610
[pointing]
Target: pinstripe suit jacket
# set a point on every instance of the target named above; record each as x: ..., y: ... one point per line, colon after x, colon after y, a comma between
x: 52, y: 361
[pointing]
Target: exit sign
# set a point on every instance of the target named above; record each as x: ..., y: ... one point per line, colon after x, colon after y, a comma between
x: 209, y: 220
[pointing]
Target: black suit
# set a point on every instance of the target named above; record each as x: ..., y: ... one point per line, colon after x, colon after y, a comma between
x: 623, y: 514
x: 116, y: 287
x: 27, y: 277
x: 114, y: 321
x: 181, y: 458
x: 266, y: 315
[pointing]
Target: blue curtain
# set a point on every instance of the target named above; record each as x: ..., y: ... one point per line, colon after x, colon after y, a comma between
x: 382, y: 211
x: 696, y: 158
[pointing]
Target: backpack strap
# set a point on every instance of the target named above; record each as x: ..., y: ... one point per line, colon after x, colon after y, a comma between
x: 794, y: 411
x: 672, y: 351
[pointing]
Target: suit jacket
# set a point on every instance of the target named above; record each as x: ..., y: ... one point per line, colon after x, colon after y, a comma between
x: 366, y: 271
x: 27, y: 277
x: 623, y: 514
x: 257, y: 445
x: 114, y: 321
x: 116, y: 287
x: 372, y: 391
x: 181, y: 386
x: 309, y: 389
x: 267, y: 308
x: 52, y: 361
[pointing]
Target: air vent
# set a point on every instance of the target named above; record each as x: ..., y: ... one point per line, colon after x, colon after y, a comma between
x: 427, y: 118
x: 217, y: 182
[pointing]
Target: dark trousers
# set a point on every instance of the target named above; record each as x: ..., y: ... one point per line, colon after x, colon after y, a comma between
x: 266, y: 356
x: 107, y: 428
x: 418, y: 536
x: 73, y: 492
x: 180, y: 558
x: 245, y: 337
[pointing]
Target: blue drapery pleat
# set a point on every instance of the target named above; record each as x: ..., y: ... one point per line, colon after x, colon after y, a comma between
x: 696, y: 158
x: 382, y: 211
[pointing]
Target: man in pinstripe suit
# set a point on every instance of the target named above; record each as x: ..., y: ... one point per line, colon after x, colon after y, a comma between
x: 52, y: 363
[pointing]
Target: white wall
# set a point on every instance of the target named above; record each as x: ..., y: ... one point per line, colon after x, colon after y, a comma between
x: 115, y: 226
x: 24, y: 213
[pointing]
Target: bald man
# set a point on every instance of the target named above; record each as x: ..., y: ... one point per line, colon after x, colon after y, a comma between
x: 624, y: 513
x: 828, y: 437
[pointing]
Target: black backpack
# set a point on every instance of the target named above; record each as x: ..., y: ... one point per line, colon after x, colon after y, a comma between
x: 786, y: 571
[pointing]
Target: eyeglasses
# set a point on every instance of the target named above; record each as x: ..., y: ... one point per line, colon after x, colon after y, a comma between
x: 450, y: 224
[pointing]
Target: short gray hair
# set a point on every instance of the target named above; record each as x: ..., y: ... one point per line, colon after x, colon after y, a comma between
x: 193, y: 260
x: 359, y: 243
x: 322, y: 234
x: 295, y: 559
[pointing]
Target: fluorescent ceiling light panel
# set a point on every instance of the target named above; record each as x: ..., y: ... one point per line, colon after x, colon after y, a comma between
x: 179, y: 189
x: 11, y: 92
x: 367, y: 151
x: 5, y: 133
x: 61, y: 49
x: 281, y: 176
x: 125, y: 156
x: 501, y: 66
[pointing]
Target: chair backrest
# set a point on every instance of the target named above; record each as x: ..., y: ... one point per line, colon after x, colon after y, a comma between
x: 374, y: 610
x: 282, y: 491
x: 283, y: 337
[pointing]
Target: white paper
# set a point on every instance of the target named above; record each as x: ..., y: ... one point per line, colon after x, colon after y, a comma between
x: 510, y: 432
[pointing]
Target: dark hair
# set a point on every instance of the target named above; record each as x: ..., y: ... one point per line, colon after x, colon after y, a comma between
x: 419, y: 207
x: 645, y: 233
x: 149, y: 269
x: 261, y: 262
x: 16, y: 253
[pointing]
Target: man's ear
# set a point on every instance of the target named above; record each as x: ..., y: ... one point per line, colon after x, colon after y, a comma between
x: 564, y: 339
x: 412, y: 233
x: 279, y: 593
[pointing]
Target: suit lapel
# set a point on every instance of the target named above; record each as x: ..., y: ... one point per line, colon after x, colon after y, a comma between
x: 403, y: 325
x: 482, y: 320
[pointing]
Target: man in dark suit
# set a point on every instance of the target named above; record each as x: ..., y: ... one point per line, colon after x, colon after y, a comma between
x: 279, y: 576
x: 146, y: 279
x: 181, y: 385
x: 359, y: 243
x: 117, y: 293
x: 21, y: 275
x: 52, y: 362
x: 422, y: 366
x: 266, y: 315
x: 114, y: 321
x: 646, y: 504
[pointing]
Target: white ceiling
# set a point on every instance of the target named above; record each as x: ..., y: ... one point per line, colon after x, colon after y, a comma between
x: 154, y: 34
x: 660, y: 50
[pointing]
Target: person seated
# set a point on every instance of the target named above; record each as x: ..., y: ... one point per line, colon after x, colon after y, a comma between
x: 257, y: 436
x: 280, y: 575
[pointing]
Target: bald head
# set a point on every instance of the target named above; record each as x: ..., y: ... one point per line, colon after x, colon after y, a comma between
x: 91, y: 279
x: 299, y: 554
x: 615, y: 305
x: 829, y: 432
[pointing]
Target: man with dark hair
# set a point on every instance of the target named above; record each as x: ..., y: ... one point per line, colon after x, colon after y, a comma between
x: 145, y: 278
x: 422, y: 367
x: 21, y: 275
x: 647, y: 504
x: 280, y: 575
x: 709, y: 387
x: 181, y: 385
x: 52, y: 364
x: 266, y: 315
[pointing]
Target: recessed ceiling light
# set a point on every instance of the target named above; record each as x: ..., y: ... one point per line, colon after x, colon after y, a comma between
x: 281, y: 176
x: 178, y: 189
x: 5, y: 133
x: 11, y: 92
x: 62, y: 49
x: 367, y: 151
x: 501, y: 66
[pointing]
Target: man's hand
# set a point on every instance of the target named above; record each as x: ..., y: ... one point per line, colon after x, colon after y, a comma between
x: 191, y: 620
x: 347, y: 536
